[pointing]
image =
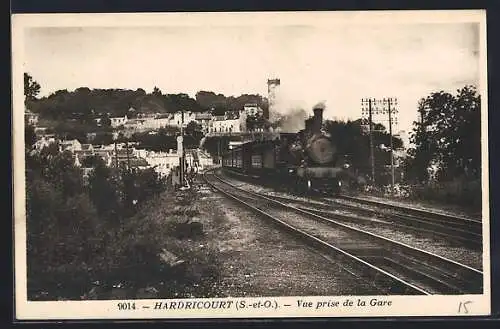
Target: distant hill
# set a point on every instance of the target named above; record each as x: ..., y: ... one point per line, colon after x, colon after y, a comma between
x: 85, y: 104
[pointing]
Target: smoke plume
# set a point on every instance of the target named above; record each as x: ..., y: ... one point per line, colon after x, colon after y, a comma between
x: 291, y: 122
x: 320, y: 105
x: 292, y: 106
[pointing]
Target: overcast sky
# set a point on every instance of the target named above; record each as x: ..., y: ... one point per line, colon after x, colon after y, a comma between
x: 339, y: 64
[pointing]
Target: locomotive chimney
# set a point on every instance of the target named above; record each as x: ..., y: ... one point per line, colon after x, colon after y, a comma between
x: 317, y: 119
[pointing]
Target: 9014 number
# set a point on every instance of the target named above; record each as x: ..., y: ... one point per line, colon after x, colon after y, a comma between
x: 126, y: 306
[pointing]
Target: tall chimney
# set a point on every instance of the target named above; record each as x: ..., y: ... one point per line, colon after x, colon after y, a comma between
x: 317, y: 120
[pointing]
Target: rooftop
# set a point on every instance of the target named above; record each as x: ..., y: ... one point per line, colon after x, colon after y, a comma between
x: 202, y: 116
x: 69, y: 142
x: 86, y: 147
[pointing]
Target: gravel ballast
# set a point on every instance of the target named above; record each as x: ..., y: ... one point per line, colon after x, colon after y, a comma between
x: 427, y: 242
x: 261, y: 260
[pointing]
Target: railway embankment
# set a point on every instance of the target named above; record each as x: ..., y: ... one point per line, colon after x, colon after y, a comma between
x: 170, y: 255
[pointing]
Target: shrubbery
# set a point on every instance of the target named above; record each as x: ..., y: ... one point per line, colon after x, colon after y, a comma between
x: 456, y: 192
x: 78, y: 234
x: 445, y: 162
x: 466, y: 193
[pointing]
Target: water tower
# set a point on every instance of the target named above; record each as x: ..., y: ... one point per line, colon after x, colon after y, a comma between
x: 272, y: 90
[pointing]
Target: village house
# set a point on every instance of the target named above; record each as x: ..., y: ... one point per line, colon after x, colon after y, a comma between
x: 141, y: 115
x: 91, y: 136
x: 109, y: 147
x: 199, y: 159
x: 44, y: 141
x: 87, y: 147
x: 125, y: 157
x: 149, y: 122
x: 225, y: 126
x: 70, y: 145
x: 253, y: 110
x: 161, y: 162
x: 164, y: 162
x: 86, y: 150
x: 118, y: 121
x: 205, y: 160
x: 156, y: 121
x: 105, y: 155
x: 30, y: 118
x: 230, y: 122
x: 177, y: 118
x: 160, y: 120
x: 40, y: 131
x: 203, y: 119
x: 135, y: 124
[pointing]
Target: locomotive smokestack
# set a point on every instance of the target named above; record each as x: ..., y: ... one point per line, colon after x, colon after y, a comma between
x: 317, y: 119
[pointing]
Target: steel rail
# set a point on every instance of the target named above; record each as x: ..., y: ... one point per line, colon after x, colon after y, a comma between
x: 471, y: 276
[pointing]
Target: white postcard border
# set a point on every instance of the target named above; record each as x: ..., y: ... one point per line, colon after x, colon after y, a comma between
x: 400, y: 305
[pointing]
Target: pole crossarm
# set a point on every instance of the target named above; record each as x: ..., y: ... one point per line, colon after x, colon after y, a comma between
x: 385, y: 106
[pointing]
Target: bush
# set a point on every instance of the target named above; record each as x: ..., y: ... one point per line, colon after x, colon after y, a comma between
x: 77, y: 234
x: 456, y: 192
x: 466, y: 193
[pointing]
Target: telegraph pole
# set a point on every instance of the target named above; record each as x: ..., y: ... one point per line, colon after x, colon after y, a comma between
x: 181, y: 151
x: 218, y: 151
x: 370, y: 102
x: 389, y: 105
x: 389, y: 110
x: 128, y: 155
x: 370, y: 123
x: 116, y: 155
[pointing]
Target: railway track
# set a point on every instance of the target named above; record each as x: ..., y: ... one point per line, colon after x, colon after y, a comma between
x: 460, y: 230
x: 458, y: 222
x: 393, y: 267
x: 464, y: 233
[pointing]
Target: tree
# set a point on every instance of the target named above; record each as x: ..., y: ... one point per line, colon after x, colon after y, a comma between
x: 447, y: 136
x: 29, y: 136
x: 91, y: 161
x: 156, y: 91
x: 104, y: 192
x: 106, y: 121
x: 208, y: 100
x: 352, y: 143
x: 104, y: 138
x: 256, y: 122
x: 194, y: 129
x: 31, y: 88
x: 59, y: 170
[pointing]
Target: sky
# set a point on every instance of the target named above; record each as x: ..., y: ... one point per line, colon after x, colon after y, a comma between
x: 338, y: 65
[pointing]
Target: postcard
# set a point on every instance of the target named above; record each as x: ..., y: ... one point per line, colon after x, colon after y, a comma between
x: 250, y: 165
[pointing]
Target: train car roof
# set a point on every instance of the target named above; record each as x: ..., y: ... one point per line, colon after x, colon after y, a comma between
x: 262, y: 142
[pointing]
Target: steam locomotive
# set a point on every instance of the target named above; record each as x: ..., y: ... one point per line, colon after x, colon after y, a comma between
x: 306, y: 161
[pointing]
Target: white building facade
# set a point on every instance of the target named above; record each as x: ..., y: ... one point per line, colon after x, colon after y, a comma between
x: 118, y: 121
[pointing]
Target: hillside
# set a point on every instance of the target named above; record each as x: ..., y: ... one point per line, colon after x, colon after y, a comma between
x: 84, y: 104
